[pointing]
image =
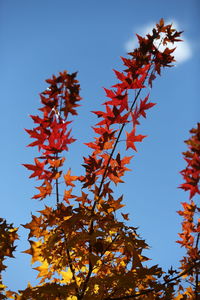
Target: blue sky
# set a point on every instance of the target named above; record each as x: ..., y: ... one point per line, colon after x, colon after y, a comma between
x: 41, y: 38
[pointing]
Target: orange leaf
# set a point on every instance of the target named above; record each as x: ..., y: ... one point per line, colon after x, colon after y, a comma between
x: 45, y: 190
x: 68, y: 178
x: 68, y: 196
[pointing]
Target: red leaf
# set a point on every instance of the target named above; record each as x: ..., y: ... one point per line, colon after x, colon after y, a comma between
x: 120, y: 75
x: 144, y: 106
x: 132, y: 138
x: 38, y: 168
x: 109, y: 93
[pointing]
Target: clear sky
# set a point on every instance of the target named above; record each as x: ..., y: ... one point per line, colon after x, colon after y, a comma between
x: 42, y: 37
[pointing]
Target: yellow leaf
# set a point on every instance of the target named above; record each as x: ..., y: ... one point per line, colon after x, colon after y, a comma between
x: 122, y: 264
x: 79, y: 280
x: 96, y: 288
x: 43, y: 269
x: 67, y: 276
x: 13, y: 229
x: 35, y: 251
x: 67, y: 218
x: 108, y: 239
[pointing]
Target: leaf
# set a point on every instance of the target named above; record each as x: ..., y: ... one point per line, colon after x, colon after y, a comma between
x: 96, y: 288
x: 68, y: 178
x: 120, y: 75
x: 68, y: 196
x: 125, y: 216
x: 56, y: 163
x: 135, y: 116
x: 35, y: 251
x: 38, y: 168
x: 66, y: 276
x: 34, y: 226
x: 144, y: 106
x: 43, y: 270
x: 45, y: 190
x: 10, y: 295
x: 131, y: 138
x: 151, y: 78
x: 109, y: 93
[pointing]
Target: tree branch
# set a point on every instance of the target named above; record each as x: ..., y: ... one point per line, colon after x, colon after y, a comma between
x: 197, y: 273
x: 73, y: 271
x: 91, y: 226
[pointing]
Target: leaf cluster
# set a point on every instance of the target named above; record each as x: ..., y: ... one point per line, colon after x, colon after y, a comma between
x: 83, y: 249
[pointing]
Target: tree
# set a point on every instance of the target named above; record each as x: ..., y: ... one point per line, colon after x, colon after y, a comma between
x: 83, y: 246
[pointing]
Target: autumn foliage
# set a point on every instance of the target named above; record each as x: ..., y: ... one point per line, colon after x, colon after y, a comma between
x: 82, y: 246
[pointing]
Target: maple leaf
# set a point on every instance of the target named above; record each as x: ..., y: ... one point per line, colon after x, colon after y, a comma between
x: 118, y: 99
x: 47, y: 211
x: 56, y: 163
x: 123, y: 101
x: 38, y: 168
x: 102, y: 130
x: 44, y: 271
x: 131, y: 138
x: 115, y: 179
x: 66, y: 276
x: 151, y: 78
x: 45, y: 190
x: 126, y: 160
x: 120, y: 75
x: 192, y: 188
x: 135, y: 116
x: 125, y: 216
x: 68, y: 196
x: 83, y: 198
x: 39, y: 134
x: 109, y: 93
x: 8, y: 235
x: 34, y: 226
x: 144, y: 106
x: 92, y: 145
x: 68, y: 178
x: 34, y: 251
x: 139, y: 83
